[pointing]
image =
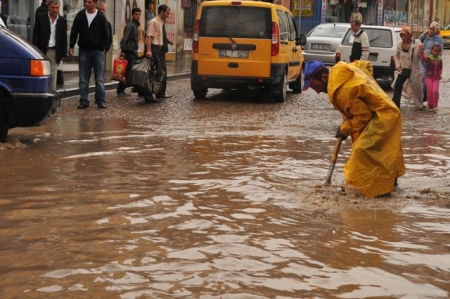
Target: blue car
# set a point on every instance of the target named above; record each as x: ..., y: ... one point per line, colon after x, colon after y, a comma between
x: 26, y: 96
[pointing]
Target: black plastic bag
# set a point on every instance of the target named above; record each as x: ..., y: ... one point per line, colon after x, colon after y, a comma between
x: 147, y: 76
x: 59, y: 77
x: 406, y: 73
x: 143, y: 76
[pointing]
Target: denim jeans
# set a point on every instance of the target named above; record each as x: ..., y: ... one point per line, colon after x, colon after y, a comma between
x: 86, y: 61
x: 130, y: 57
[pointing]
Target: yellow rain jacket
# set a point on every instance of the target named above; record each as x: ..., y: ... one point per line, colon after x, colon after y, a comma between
x: 377, y: 157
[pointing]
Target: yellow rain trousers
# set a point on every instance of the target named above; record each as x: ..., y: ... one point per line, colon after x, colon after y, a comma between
x: 377, y: 157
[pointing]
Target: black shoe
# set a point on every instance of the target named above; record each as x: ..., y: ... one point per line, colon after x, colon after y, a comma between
x: 82, y: 106
x: 342, y: 191
x: 149, y: 99
x: 101, y: 106
x: 123, y: 94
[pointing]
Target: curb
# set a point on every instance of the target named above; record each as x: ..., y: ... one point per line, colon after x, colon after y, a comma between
x: 71, y: 92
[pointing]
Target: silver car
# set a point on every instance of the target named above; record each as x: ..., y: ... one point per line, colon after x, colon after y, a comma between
x: 383, y: 43
x: 322, y: 42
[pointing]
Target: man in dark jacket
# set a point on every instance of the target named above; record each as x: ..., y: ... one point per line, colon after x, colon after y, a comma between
x: 53, y: 43
x: 129, y: 46
x: 3, y: 19
x: 42, y: 9
x: 90, y: 28
x: 101, y: 6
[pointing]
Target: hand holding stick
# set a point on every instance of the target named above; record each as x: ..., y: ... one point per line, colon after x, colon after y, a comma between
x: 333, y: 160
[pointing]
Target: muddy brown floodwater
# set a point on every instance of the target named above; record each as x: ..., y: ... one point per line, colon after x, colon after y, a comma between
x: 218, y: 198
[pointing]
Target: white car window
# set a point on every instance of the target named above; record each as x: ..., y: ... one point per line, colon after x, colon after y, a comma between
x: 378, y: 38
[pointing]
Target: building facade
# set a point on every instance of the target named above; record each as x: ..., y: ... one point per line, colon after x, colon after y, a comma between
x: 417, y: 14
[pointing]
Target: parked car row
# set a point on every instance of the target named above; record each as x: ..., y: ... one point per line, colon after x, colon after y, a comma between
x: 18, y: 25
x: 231, y: 53
x: 330, y: 43
x: 323, y: 41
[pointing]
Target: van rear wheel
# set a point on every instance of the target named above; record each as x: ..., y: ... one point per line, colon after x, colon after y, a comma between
x: 297, y: 85
x: 200, y: 93
x: 4, y: 126
x: 279, y: 91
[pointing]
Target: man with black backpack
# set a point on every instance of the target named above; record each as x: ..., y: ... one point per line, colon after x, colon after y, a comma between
x: 129, y: 47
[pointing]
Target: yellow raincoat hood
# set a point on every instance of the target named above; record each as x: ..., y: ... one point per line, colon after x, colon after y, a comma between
x: 377, y: 155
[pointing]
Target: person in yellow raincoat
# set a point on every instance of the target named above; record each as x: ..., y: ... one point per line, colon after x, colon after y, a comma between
x: 370, y: 117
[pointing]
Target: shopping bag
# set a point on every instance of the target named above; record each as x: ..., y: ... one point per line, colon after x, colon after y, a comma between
x: 119, y: 69
x: 60, y: 74
x: 142, y: 77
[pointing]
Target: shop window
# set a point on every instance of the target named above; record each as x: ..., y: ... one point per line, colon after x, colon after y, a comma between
x: 189, y: 17
x: 17, y: 14
x: 70, y: 10
x: 395, y: 13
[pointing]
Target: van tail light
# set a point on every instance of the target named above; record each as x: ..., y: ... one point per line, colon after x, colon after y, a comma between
x: 392, y: 61
x: 337, y: 57
x: 195, y: 36
x: 275, y: 39
x: 40, y: 68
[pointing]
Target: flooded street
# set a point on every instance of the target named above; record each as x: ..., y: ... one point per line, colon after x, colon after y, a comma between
x: 218, y: 198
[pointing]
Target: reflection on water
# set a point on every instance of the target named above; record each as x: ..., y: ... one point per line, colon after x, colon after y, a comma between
x: 148, y: 216
x: 135, y: 209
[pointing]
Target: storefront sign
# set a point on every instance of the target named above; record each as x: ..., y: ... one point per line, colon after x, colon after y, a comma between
x: 323, y: 16
x: 380, y: 13
x: 187, y: 45
x: 304, y: 8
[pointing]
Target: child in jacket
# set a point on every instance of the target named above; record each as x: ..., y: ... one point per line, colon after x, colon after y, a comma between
x: 433, y: 73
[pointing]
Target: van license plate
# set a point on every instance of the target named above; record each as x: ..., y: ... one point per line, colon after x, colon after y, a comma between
x: 234, y: 54
x: 373, y: 57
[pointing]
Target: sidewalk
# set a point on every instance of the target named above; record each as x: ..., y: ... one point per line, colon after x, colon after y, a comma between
x: 70, y: 87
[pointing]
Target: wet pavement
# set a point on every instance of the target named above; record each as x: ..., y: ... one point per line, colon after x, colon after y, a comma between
x: 218, y: 198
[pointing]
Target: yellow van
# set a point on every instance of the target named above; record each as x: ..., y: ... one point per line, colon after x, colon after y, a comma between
x: 246, y: 44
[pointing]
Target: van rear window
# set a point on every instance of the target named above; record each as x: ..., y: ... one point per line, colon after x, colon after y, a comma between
x: 378, y: 38
x: 234, y: 21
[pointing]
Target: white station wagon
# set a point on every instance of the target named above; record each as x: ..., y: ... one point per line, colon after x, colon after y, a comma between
x: 383, y: 42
